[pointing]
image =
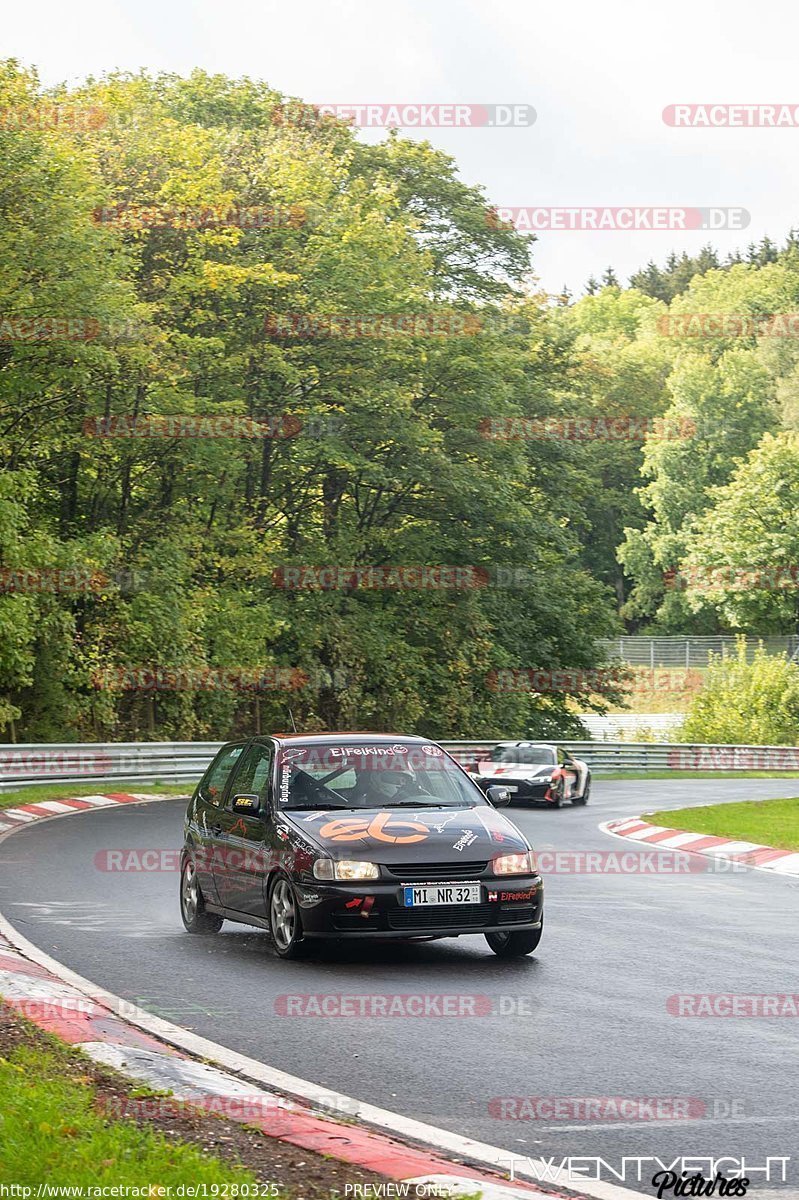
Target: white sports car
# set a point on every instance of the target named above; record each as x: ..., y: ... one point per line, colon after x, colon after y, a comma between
x: 538, y: 771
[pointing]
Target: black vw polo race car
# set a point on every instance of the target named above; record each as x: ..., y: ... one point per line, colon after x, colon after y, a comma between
x: 355, y: 836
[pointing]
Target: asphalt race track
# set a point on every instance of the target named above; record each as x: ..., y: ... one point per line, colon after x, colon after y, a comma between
x: 586, y: 1017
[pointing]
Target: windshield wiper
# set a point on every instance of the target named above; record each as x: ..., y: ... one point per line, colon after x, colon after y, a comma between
x: 314, y: 807
x: 418, y: 804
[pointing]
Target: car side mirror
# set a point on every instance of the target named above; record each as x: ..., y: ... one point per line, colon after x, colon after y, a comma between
x: 248, y: 805
x: 498, y: 796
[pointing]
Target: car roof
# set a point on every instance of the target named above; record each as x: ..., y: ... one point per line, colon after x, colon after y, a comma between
x: 352, y: 735
x: 545, y: 745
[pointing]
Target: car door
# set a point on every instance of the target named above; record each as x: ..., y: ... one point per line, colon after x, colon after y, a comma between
x: 207, y: 810
x: 240, y: 867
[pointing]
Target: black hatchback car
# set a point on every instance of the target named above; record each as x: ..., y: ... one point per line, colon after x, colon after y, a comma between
x: 355, y: 836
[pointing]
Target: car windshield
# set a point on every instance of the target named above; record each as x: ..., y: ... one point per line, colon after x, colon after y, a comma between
x: 526, y: 755
x: 372, y: 774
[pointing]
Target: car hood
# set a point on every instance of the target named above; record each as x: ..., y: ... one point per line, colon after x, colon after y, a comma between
x: 409, y: 835
x: 500, y: 771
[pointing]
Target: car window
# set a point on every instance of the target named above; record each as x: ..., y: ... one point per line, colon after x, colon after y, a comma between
x: 212, y: 784
x: 252, y: 773
x: 528, y: 756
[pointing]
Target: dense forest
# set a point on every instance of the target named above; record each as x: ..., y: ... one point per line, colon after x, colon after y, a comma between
x: 256, y: 376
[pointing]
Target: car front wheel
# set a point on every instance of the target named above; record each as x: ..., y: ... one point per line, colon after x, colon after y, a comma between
x: 516, y: 944
x: 192, y: 905
x: 284, y: 920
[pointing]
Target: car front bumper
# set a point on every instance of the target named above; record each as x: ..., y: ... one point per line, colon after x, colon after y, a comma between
x: 522, y: 789
x: 375, y: 910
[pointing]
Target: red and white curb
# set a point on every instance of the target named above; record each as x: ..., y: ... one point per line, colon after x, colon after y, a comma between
x: 147, y: 1048
x: 23, y: 814
x: 750, y: 854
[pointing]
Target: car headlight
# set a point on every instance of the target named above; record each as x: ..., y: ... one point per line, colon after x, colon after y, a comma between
x: 515, y: 864
x: 345, y: 869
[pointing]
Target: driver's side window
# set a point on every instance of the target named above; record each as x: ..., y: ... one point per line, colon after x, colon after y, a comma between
x: 252, y: 774
x: 212, y: 784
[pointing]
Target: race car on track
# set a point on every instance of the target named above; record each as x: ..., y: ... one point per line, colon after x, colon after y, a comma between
x: 537, y: 771
x: 355, y: 836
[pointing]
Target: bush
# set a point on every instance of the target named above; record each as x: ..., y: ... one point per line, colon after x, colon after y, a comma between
x: 755, y: 703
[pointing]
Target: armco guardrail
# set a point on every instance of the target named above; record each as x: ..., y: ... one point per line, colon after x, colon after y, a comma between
x: 184, y: 762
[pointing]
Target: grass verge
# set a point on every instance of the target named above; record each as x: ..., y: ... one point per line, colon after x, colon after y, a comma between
x: 767, y: 822
x: 695, y: 775
x: 57, y: 791
x: 55, y: 1129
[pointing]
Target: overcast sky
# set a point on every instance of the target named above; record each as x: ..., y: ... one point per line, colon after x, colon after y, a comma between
x: 598, y: 75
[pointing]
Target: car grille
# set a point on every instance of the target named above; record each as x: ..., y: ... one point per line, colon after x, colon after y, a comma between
x: 441, y: 916
x: 434, y: 872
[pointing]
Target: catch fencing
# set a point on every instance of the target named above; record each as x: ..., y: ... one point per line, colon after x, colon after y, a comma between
x: 689, y: 651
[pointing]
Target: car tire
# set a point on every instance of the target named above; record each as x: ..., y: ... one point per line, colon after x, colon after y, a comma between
x: 285, y: 925
x: 556, y: 803
x: 515, y: 943
x: 192, y: 904
x: 584, y: 798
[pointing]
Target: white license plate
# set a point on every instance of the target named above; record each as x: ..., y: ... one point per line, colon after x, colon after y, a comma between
x: 414, y: 896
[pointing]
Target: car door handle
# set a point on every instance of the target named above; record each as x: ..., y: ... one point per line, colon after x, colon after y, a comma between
x: 216, y: 830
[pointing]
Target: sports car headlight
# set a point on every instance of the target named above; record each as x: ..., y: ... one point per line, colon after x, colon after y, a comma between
x: 346, y: 869
x: 515, y: 864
